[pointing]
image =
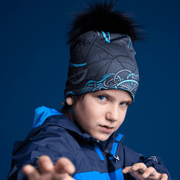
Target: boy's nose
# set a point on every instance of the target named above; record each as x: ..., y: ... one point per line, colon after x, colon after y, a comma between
x: 112, y: 114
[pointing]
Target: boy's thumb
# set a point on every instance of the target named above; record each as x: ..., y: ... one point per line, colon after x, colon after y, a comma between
x: 64, y: 165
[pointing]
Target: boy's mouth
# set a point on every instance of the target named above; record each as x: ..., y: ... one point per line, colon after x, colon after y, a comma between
x: 106, y: 128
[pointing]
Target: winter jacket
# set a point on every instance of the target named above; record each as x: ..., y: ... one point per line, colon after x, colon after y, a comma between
x: 57, y: 136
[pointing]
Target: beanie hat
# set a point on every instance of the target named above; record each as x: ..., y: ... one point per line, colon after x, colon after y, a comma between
x: 102, y: 54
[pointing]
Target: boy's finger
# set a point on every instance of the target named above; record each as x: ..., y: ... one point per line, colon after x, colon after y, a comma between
x: 135, y: 174
x: 30, y: 172
x: 64, y: 165
x: 164, y: 177
x: 151, y: 172
x: 126, y: 170
x: 141, y: 167
x: 45, y: 164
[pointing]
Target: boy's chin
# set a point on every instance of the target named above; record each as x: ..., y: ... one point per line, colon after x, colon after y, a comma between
x: 103, y: 138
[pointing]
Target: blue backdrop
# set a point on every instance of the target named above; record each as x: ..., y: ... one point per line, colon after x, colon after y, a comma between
x: 34, y: 61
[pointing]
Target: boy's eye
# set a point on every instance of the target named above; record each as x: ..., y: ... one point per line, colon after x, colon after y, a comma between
x: 123, y: 104
x: 102, y: 98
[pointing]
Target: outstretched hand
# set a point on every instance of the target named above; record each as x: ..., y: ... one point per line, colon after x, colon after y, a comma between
x: 141, y: 172
x: 48, y: 171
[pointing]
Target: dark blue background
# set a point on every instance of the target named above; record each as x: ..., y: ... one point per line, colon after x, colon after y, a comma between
x: 34, y: 61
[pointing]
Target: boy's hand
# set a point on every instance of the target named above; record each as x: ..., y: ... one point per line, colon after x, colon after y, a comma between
x: 49, y: 171
x: 141, y: 172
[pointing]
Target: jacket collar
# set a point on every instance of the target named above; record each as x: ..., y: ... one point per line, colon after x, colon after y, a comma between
x: 68, y: 125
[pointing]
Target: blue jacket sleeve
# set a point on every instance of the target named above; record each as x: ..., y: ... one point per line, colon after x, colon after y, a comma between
x: 50, y: 141
x: 131, y: 157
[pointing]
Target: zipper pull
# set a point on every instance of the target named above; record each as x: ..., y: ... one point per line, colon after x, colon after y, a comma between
x: 115, y: 158
x: 106, y: 152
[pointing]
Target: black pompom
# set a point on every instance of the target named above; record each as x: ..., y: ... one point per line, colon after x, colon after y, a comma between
x: 101, y: 16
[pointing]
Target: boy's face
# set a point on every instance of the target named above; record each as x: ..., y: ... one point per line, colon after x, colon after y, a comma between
x: 101, y: 113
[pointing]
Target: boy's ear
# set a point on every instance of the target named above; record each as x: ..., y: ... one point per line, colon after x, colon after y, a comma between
x: 69, y: 101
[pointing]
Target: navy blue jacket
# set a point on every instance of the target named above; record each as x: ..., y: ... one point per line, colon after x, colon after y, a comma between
x: 57, y: 136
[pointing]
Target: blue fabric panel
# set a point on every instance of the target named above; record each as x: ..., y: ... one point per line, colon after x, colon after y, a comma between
x: 99, y: 152
x: 114, y: 148
x: 42, y: 113
x: 117, y: 175
x: 95, y: 175
x: 92, y: 175
x: 119, y: 137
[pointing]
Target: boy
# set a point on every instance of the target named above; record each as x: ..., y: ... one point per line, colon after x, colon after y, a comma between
x: 81, y: 141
